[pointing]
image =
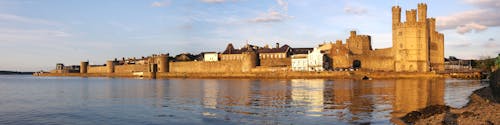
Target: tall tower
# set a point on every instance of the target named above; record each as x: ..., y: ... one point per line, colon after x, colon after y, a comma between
x: 396, y: 15
x: 411, y: 41
x: 396, y: 33
x: 422, y: 12
x: 436, y: 47
x: 411, y: 16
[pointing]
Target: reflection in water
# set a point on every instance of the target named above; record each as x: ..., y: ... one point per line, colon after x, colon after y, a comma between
x: 191, y: 101
x: 309, y: 94
x: 415, y: 94
x: 346, y: 100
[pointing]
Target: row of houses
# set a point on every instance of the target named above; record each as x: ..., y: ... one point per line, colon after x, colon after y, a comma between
x: 297, y: 59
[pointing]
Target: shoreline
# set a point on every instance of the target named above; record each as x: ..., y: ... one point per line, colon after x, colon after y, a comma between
x: 482, y: 108
x: 266, y: 75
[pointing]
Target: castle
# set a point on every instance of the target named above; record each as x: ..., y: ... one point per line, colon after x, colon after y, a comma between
x: 417, y: 47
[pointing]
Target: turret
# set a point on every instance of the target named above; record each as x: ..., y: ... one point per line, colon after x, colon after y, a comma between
x: 411, y: 16
x: 59, y: 66
x: 110, y: 66
x: 338, y: 42
x: 163, y: 63
x: 353, y: 33
x: 432, y: 24
x: 84, y: 66
x: 249, y: 61
x: 422, y: 12
x: 396, y: 15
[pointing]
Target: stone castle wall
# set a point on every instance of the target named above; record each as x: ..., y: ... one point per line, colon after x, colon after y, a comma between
x: 205, y: 67
x: 97, y: 69
x: 131, y: 68
x: 276, y: 62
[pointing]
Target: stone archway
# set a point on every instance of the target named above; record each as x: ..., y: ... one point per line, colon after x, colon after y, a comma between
x: 356, y: 64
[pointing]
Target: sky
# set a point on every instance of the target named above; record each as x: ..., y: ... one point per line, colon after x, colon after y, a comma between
x: 37, y: 34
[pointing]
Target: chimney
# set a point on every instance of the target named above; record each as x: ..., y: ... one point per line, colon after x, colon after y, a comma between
x: 277, y: 45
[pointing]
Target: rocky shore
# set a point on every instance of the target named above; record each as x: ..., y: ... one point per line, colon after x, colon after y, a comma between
x: 482, y: 109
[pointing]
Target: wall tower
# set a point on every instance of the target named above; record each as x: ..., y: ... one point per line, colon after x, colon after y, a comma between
x: 359, y: 44
x: 84, y: 66
x: 163, y: 63
x: 110, y: 65
x: 249, y: 61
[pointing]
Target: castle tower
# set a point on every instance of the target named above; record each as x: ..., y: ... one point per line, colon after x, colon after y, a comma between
x: 411, y: 41
x: 110, y: 66
x: 358, y: 44
x: 249, y: 61
x: 436, y: 47
x: 411, y: 16
x: 84, y: 66
x: 432, y: 24
x: 163, y: 63
x: 422, y: 12
x: 396, y: 15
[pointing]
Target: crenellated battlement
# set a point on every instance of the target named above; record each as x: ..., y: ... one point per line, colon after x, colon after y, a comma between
x: 422, y: 12
x: 411, y: 16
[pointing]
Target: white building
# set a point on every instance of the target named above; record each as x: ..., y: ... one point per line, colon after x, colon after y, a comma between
x: 210, y: 56
x: 317, y: 61
x: 299, y: 62
x: 314, y: 61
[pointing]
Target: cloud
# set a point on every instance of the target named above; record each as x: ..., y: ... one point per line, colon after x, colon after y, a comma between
x: 459, y: 44
x: 273, y: 15
x: 24, y: 35
x: 491, y: 45
x: 160, y: 3
x: 484, y: 3
x: 21, y: 19
x: 283, y: 4
x: 469, y: 27
x: 485, y: 15
x: 355, y: 10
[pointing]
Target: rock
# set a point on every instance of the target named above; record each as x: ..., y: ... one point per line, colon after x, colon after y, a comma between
x: 425, y: 113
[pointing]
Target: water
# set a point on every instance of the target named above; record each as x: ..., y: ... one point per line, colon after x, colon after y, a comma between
x: 87, y: 101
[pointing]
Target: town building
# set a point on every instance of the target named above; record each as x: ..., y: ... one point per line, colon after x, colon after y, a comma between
x: 210, y: 56
x: 318, y: 61
x: 60, y: 68
x: 313, y: 61
x: 300, y: 62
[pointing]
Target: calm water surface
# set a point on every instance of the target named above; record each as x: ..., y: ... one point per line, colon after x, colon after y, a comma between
x: 88, y: 101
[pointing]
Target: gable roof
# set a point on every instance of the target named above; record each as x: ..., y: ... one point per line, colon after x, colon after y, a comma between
x: 301, y: 50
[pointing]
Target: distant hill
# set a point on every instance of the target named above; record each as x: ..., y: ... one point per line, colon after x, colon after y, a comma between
x: 15, y: 73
